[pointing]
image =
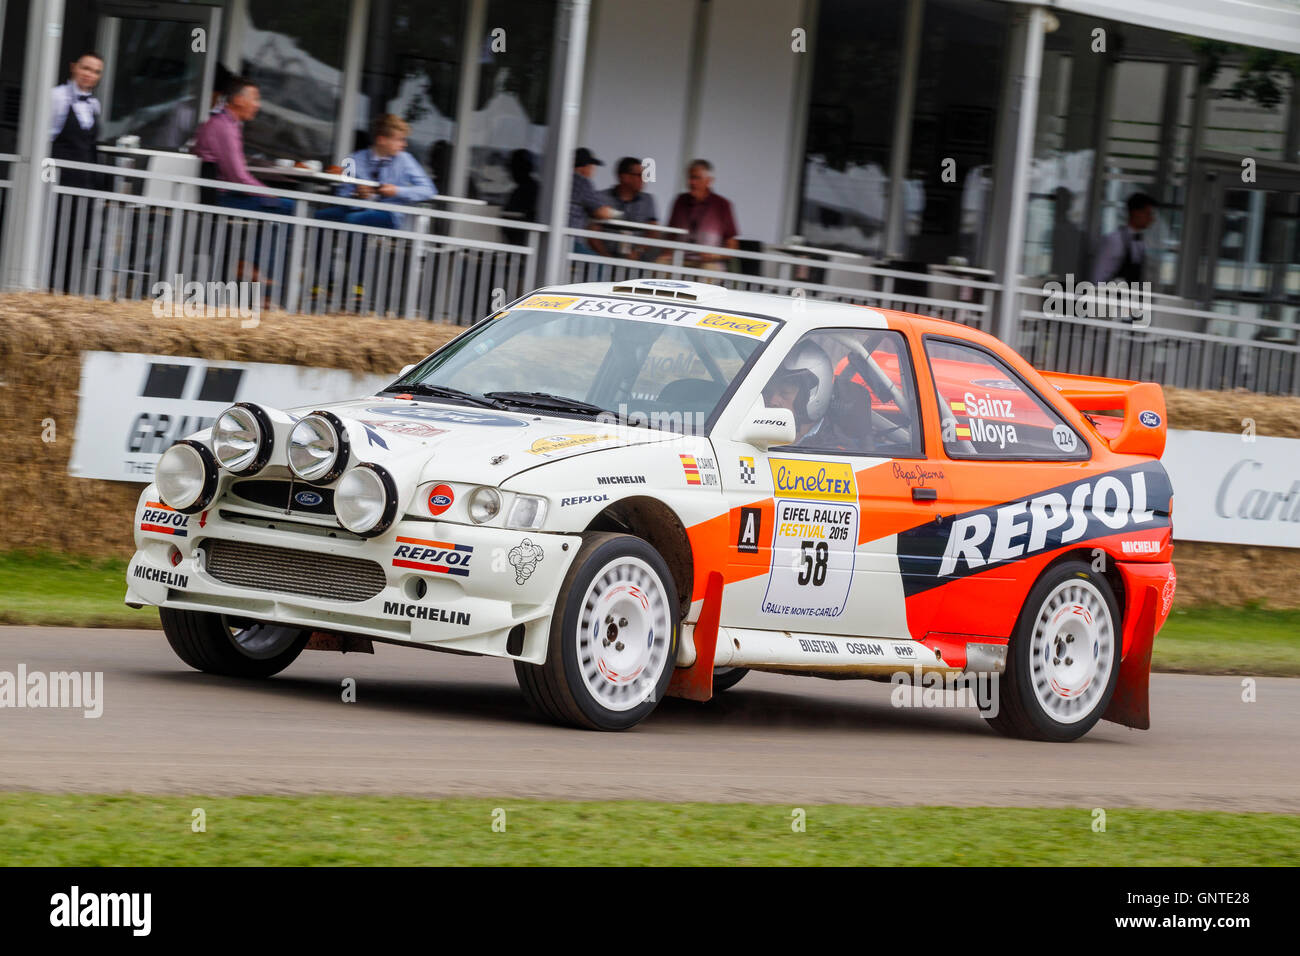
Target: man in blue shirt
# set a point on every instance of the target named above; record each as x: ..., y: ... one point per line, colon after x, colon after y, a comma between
x: 400, y: 176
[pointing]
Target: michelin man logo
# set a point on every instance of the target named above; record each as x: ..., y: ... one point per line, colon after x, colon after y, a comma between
x: 524, y: 558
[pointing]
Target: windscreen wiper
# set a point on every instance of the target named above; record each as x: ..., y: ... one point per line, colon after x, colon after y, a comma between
x: 546, y: 400
x: 444, y: 391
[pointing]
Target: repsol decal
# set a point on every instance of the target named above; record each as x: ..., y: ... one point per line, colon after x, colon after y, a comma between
x: 160, y: 519
x: 954, y: 546
x: 439, y: 557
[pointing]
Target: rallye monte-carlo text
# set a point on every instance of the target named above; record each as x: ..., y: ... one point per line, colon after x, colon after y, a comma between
x: 648, y: 488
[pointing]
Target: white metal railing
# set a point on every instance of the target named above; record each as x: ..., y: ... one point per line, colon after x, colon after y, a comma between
x: 6, y: 184
x: 457, y: 267
x: 966, y: 300
x: 1173, y: 345
x: 118, y: 245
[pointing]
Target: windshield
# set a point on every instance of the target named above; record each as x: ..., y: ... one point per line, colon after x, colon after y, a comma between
x: 670, y: 367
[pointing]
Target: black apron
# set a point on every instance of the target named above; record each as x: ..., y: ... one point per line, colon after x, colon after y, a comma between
x: 79, y: 145
x: 1130, y: 269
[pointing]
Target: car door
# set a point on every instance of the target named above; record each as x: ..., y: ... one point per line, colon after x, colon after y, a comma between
x: 1003, y: 444
x: 815, y: 524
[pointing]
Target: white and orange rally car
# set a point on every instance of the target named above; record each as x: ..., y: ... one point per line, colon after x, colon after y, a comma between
x: 642, y: 489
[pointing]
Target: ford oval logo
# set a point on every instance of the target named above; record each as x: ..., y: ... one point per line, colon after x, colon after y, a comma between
x: 440, y: 499
x: 308, y: 499
x: 1150, y: 419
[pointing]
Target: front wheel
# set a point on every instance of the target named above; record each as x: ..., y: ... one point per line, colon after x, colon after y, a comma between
x: 613, y: 637
x: 1064, y: 657
x: 725, y: 678
x: 233, y: 647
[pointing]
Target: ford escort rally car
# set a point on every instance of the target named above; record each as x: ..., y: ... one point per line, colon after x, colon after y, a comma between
x: 648, y: 488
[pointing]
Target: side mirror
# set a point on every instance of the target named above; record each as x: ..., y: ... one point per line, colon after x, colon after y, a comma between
x: 405, y: 369
x: 764, y: 427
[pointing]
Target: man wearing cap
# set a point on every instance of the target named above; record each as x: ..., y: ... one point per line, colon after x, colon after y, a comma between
x: 584, y: 202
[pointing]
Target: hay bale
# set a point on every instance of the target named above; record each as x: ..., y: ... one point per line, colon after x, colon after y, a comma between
x: 41, y: 340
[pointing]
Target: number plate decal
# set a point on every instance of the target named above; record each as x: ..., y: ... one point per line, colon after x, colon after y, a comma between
x: 814, y: 544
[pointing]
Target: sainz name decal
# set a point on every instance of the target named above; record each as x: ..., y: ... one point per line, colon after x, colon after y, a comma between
x: 1128, y: 500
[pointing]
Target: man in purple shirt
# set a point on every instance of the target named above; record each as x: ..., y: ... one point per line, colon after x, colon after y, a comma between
x: 705, y: 215
x: 220, y: 141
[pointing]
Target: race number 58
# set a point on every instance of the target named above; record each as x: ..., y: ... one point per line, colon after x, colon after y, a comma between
x: 812, y: 562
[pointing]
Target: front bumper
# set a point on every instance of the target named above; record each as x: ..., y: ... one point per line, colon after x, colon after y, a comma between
x: 468, y: 596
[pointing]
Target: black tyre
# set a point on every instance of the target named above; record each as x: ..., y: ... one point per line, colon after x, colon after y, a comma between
x: 725, y: 678
x: 233, y: 647
x: 613, y: 641
x: 1064, y: 657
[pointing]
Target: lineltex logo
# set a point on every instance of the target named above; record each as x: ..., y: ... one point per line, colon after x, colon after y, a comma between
x: 559, y: 302
x: 75, y: 909
x: 734, y: 323
x: 818, y: 480
x: 438, y: 557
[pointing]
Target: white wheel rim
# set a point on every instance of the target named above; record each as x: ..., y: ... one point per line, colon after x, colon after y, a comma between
x: 623, y: 634
x: 1071, y: 651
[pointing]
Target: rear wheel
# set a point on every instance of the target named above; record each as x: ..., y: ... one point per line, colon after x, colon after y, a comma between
x: 234, y: 647
x: 613, y: 638
x: 1064, y: 657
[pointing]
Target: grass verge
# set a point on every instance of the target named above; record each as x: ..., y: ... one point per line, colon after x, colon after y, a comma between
x: 45, y: 588
x: 137, y: 830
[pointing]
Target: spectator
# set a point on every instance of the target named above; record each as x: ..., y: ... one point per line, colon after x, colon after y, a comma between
x: 523, y: 198
x: 705, y: 215
x: 628, y: 196
x: 1122, y: 253
x: 400, y: 176
x: 74, y: 121
x: 219, y: 142
x: 584, y: 202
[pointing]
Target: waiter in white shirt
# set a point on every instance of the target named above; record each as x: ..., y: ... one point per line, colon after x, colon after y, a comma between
x: 1122, y: 253
x: 74, y: 121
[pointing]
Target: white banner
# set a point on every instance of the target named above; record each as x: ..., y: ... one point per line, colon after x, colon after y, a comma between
x: 1235, y: 489
x: 131, y: 407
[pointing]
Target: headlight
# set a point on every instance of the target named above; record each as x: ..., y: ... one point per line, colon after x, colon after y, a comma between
x: 484, y: 505
x: 186, y: 476
x: 318, y: 448
x: 527, y: 513
x: 242, y: 438
x: 366, y: 500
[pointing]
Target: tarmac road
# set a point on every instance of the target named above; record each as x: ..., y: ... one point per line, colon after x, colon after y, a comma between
x: 440, y: 725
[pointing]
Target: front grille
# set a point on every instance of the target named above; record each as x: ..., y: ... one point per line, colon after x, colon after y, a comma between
x: 268, y: 568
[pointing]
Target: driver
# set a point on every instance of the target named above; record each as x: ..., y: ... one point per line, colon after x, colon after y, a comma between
x: 803, y: 385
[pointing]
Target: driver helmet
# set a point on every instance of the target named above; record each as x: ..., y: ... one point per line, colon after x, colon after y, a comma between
x: 808, y: 367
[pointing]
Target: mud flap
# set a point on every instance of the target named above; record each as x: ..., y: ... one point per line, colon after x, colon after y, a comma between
x: 1150, y: 590
x: 696, y: 682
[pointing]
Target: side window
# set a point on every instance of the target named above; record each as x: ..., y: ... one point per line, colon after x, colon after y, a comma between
x: 986, y: 411
x: 851, y: 391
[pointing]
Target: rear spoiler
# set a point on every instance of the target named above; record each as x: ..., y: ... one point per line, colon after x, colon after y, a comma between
x: 1142, y: 429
